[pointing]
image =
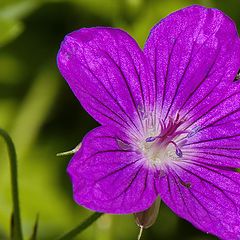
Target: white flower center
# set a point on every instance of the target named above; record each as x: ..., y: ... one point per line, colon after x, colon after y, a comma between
x: 160, y: 141
x: 160, y: 146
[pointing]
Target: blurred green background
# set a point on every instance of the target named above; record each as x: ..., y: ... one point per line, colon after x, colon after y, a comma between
x: 39, y: 111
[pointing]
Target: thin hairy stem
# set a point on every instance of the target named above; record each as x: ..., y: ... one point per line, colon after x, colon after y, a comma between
x: 17, y: 230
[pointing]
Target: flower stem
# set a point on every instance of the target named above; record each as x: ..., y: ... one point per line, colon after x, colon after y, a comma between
x: 75, y: 231
x: 17, y: 231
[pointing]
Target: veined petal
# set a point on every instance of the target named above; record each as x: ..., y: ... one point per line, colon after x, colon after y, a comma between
x: 205, y: 196
x: 217, y: 143
x: 108, y: 73
x: 109, y: 176
x: 195, y: 54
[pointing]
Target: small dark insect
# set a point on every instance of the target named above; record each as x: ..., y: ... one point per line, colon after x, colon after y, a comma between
x: 237, y: 76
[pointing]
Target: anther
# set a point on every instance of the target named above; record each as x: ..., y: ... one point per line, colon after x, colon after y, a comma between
x: 123, y: 145
x: 194, y: 131
x: 159, y: 174
x: 141, y: 110
x: 178, y: 150
x: 150, y: 139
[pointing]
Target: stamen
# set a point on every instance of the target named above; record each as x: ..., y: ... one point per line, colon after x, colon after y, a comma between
x: 178, y: 150
x: 142, y: 112
x: 150, y: 139
x: 194, y: 131
x: 156, y: 143
x: 177, y: 118
x: 123, y: 145
x: 140, y: 108
x: 178, y: 133
x: 163, y: 126
x: 159, y: 173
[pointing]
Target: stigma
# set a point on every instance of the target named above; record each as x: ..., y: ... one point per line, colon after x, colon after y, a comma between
x: 164, y: 146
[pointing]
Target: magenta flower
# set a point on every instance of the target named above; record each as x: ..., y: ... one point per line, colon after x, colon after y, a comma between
x: 169, y: 118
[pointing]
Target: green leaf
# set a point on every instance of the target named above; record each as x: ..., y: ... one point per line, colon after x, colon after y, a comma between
x: 109, y: 11
x: 12, y: 227
x: 9, y: 30
x: 16, y: 229
x: 35, y: 229
x: 18, y: 9
x: 11, y: 13
x: 75, y: 231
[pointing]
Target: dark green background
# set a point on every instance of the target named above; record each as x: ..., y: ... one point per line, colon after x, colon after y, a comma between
x: 38, y: 109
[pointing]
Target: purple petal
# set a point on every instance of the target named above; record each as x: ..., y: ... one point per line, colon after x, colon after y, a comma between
x: 217, y: 140
x: 217, y: 143
x: 108, y: 73
x: 108, y: 177
x: 196, y: 55
x: 207, y: 197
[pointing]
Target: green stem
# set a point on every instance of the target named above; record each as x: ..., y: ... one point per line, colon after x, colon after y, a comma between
x: 14, y: 180
x: 75, y: 231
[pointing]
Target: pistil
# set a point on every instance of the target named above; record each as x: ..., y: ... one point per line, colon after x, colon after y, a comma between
x: 169, y: 132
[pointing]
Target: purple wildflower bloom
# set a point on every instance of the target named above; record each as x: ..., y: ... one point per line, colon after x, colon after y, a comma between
x: 169, y: 118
